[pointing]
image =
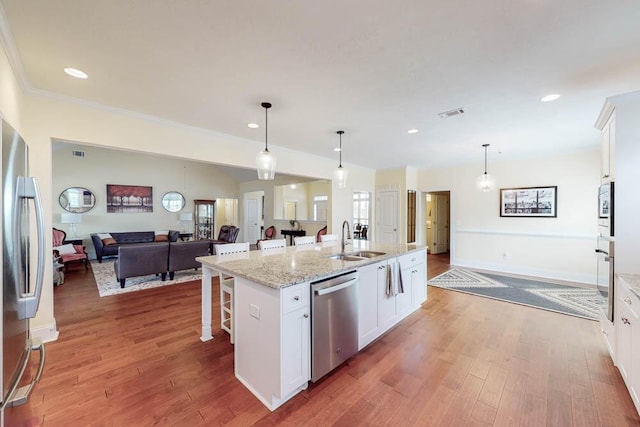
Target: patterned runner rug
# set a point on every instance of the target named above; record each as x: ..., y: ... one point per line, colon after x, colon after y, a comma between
x: 563, y: 299
x: 108, y: 284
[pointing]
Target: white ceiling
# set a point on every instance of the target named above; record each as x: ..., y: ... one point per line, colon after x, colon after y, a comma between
x: 374, y: 68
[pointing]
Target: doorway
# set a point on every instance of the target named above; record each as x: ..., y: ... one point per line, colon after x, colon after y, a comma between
x: 253, y: 216
x: 438, y: 229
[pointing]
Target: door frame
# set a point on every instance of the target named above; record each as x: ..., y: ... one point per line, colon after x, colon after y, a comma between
x: 422, y: 218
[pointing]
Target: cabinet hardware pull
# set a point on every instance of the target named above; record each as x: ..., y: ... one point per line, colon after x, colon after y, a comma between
x: 413, y: 259
x: 297, y: 298
x: 306, y: 316
x: 625, y: 320
x: 380, y: 267
x: 627, y: 300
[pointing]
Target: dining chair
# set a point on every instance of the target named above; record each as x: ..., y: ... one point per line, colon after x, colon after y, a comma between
x: 266, y: 245
x: 227, y: 322
x: 329, y: 238
x: 357, y: 228
x: 304, y: 240
x: 321, y: 233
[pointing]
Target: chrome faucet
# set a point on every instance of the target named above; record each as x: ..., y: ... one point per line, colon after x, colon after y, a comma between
x: 345, y: 222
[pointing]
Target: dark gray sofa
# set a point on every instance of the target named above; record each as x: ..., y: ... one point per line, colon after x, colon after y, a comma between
x: 182, y: 255
x: 126, y: 238
x: 141, y: 259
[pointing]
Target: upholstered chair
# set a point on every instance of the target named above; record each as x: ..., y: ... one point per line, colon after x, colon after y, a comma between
x: 68, y: 252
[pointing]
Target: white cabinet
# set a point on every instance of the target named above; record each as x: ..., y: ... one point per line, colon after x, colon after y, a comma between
x: 296, y: 327
x: 607, y: 124
x: 627, y: 324
x: 272, y: 340
x: 414, y: 277
x: 377, y: 311
x: 368, y: 302
x: 609, y: 333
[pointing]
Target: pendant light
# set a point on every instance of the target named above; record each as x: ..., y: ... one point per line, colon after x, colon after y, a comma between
x: 340, y: 174
x: 265, y: 160
x: 485, y: 181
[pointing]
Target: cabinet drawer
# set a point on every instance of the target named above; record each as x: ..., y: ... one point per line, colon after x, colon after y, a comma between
x: 628, y: 298
x: 295, y: 297
x: 411, y: 259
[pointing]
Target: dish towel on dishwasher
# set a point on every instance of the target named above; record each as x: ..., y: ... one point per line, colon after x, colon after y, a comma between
x: 394, y: 279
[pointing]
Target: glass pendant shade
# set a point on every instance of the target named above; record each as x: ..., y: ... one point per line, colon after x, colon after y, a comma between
x: 265, y: 160
x: 340, y: 176
x: 486, y: 182
x: 266, y: 165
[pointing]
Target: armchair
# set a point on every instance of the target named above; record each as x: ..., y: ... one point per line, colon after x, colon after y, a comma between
x: 69, y: 252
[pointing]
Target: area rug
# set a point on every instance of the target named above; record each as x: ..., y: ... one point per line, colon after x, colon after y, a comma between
x: 108, y: 284
x: 563, y: 299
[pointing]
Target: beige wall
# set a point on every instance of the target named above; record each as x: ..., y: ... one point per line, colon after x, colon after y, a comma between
x: 101, y: 166
x: 556, y: 248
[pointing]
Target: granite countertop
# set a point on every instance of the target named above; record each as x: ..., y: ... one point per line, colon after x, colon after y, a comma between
x: 280, y: 268
x: 633, y: 280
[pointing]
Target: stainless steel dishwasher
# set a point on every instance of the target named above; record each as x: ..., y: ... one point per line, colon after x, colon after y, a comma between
x: 334, y: 322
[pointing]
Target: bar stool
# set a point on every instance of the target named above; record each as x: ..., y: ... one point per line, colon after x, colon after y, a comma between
x: 227, y: 322
x: 304, y: 240
x: 267, y: 245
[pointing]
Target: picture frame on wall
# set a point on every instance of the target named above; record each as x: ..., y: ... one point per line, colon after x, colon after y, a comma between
x: 529, y: 202
x: 129, y: 199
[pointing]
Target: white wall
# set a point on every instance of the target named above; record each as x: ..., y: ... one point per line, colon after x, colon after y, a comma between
x: 627, y: 182
x: 559, y: 248
x: 101, y: 166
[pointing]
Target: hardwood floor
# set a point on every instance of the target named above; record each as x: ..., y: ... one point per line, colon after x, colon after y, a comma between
x: 136, y: 360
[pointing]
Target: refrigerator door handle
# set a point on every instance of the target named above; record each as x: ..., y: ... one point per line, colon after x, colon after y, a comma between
x: 21, y: 395
x: 28, y: 302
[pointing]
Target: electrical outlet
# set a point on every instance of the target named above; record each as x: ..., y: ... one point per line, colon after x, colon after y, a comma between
x: 254, y: 311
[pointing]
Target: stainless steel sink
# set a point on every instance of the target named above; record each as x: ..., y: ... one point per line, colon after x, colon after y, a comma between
x: 347, y: 257
x: 367, y: 254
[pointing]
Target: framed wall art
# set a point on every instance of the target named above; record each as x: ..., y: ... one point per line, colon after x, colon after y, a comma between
x: 129, y: 198
x: 529, y: 202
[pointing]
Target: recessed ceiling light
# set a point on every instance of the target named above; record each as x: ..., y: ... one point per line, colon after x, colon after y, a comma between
x: 253, y: 125
x: 413, y: 131
x: 337, y: 149
x: 76, y: 73
x: 551, y: 97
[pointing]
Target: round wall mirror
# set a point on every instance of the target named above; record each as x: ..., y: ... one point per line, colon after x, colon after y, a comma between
x: 173, y: 201
x: 77, y: 200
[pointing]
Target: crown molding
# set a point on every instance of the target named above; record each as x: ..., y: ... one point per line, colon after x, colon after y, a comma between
x: 9, y: 45
x: 604, y: 115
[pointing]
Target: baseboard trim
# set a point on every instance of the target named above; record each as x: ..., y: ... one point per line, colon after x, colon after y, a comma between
x: 570, y: 279
x: 47, y: 333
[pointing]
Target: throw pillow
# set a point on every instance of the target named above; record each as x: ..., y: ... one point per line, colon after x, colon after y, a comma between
x: 67, y: 249
x: 162, y: 238
x: 103, y: 236
x: 162, y: 232
x: 109, y: 241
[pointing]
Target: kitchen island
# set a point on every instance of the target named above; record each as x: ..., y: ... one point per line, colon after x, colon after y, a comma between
x: 272, y: 306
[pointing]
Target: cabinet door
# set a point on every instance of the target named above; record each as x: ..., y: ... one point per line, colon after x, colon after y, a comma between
x: 604, y: 152
x: 386, y: 303
x: 624, y: 336
x: 418, y: 284
x: 368, y: 302
x: 295, y: 354
x: 612, y: 146
x: 404, y: 300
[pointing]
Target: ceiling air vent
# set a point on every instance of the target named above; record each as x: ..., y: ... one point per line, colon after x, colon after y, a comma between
x: 76, y: 153
x: 451, y: 113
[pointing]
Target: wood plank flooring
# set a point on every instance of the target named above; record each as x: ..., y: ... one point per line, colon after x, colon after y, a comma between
x: 136, y: 360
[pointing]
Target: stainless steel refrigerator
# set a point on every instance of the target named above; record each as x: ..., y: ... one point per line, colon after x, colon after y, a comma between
x: 20, y: 200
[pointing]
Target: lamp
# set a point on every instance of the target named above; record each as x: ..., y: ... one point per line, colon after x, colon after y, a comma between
x: 485, y: 181
x: 265, y: 161
x: 185, y: 218
x: 72, y: 219
x: 340, y: 174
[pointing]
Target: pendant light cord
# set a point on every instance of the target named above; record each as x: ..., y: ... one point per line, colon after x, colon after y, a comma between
x: 266, y: 128
x: 485, y: 157
x: 340, y: 132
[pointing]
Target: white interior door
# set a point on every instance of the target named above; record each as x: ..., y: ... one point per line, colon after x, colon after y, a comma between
x: 252, y: 216
x: 388, y: 216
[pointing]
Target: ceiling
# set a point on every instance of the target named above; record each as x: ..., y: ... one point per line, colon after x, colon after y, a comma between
x: 372, y: 68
